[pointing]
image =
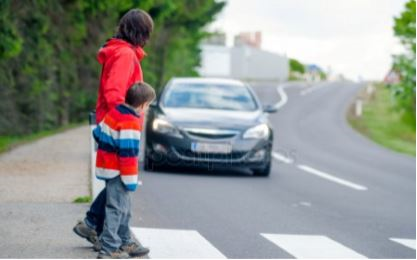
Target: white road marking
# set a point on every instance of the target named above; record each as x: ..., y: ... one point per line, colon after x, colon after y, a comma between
x: 282, y: 158
x: 331, y: 177
x: 311, y: 246
x: 284, y: 98
x: 311, y: 89
x: 283, y: 95
x: 411, y: 243
x: 175, y: 243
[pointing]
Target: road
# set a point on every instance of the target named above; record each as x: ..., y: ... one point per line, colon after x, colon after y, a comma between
x: 332, y: 192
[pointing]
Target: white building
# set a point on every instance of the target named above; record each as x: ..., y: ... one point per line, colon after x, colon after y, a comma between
x: 242, y: 62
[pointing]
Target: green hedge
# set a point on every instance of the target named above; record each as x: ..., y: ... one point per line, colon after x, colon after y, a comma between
x: 48, y: 69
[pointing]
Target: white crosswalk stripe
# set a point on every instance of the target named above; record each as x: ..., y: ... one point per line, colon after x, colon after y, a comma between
x: 180, y: 243
x: 411, y: 243
x: 175, y: 243
x: 311, y: 246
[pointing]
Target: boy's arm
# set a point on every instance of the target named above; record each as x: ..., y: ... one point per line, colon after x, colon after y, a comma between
x: 118, y: 76
x: 96, y: 133
x: 128, y: 153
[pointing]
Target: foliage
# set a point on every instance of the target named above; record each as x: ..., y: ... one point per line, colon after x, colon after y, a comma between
x: 382, y: 123
x: 48, y: 70
x: 83, y: 199
x: 296, y: 66
x: 323, y: 75
x: 405, y: 64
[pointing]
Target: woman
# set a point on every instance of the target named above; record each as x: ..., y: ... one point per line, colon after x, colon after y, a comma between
x: 120, y: 58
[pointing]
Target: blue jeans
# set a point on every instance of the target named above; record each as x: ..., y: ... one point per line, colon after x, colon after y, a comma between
x: 116, y: 232
x: 97, y: 213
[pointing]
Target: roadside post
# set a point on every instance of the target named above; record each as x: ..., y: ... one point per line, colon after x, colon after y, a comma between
x: 358, y: 107
x: 96, y: 184
x: 370, y: 89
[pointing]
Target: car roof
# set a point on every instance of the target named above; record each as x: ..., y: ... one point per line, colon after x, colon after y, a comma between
x: 207, y: 80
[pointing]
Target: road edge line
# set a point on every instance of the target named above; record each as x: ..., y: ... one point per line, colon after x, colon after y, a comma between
x: 332, y: 178
x: 283, y: 95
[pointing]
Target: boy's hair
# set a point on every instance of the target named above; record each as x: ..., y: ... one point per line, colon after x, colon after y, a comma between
x: 139, y: 94
x: 135, y: 27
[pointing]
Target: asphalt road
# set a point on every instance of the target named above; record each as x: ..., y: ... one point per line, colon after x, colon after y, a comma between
x: 331, y: 192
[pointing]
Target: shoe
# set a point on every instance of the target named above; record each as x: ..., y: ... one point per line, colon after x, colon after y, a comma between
x: 135, y: 249
x: 97, y: 246
x: 118, y: 254
x: 86, y: 232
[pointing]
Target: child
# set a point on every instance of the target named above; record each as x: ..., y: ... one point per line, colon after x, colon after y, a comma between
x: 118, y: 137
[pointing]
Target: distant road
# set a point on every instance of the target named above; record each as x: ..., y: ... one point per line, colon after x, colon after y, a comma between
x: 332, y: 192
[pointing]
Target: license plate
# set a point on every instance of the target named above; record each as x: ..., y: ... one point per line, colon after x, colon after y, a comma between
x: 211, y: 147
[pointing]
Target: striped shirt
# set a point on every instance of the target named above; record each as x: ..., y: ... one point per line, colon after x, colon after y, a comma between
x: 118, y: 138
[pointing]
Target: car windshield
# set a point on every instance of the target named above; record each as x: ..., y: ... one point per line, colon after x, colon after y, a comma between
x: 209, y: 96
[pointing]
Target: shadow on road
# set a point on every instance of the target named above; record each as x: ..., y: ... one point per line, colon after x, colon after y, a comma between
x: 199, y: 172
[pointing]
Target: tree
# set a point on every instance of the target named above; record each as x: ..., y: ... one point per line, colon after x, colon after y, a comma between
x: 405, y: 64
x: 48, y: 70
x: 296, y: 66
x: 175, y: 43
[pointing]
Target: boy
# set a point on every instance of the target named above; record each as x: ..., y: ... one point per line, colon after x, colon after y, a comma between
x: 118, y: 138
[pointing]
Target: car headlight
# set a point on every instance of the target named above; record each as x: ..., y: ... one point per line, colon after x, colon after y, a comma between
x: 257, y: 132
x: 164, y: 127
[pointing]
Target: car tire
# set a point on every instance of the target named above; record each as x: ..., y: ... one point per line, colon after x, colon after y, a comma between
x: 149, y: 165
x: 263, y: 172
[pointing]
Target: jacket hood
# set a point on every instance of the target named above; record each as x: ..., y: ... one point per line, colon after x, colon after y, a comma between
x: 113, y: 45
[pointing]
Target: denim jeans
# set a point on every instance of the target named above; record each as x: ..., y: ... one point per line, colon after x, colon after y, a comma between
x: 116, y: 230
x: 96, y: 215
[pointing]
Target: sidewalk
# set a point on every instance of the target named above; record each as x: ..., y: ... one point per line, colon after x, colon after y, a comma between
x: 38, y: 183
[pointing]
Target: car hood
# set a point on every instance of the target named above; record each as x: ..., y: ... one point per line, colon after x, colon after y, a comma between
x: 211, y: 118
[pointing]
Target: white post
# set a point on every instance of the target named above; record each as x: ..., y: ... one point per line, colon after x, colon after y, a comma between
x: 369, y: 89
x: 96, y: 184
x: 358, y: 108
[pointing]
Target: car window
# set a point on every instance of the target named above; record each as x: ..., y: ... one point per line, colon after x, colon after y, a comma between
x: 209, y: 96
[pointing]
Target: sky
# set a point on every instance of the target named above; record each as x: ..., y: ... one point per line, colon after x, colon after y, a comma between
x: 352, y: 37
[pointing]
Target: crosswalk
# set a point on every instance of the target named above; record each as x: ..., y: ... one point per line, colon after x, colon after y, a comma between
x: 312, y: 246
x: 411, y: 243
x: 174, y: 243
x: 180, y: 243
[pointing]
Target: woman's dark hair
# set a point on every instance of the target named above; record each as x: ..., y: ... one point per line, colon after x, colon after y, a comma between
x: 139, y: 93
x: 135, y: 27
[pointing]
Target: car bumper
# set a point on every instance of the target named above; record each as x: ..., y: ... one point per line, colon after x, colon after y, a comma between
x: 172, y: 151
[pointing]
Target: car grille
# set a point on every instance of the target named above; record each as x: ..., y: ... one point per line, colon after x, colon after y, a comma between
x: 188, y: 154
x: 211, y: 133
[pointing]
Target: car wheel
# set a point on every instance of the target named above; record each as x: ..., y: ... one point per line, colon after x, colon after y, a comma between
x: 263, y: 171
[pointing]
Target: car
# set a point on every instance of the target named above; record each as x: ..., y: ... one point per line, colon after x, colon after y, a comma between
x: 208, y: 122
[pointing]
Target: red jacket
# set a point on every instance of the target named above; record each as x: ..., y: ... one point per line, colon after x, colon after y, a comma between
x: 121, y: 69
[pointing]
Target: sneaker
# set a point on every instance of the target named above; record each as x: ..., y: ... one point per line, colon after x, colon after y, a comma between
x: 97, y: 246
x: 86, y: 232
x: 135, y: 249
x: 118, y: 254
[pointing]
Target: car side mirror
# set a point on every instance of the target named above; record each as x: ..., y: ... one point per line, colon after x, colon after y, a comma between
x: 270, y: 108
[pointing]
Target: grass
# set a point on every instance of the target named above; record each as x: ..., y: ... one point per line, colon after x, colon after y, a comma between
x: 383, y: 123
x: 83, y: 199
x: 9, y: 142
